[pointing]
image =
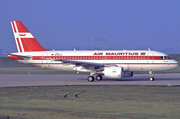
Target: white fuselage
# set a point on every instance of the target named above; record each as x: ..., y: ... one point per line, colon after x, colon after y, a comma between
x: 130, y: 60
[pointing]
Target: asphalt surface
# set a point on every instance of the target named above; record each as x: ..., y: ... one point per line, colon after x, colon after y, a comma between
x: 13, y: 80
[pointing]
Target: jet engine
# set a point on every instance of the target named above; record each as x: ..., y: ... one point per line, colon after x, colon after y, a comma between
x: 113, y: 72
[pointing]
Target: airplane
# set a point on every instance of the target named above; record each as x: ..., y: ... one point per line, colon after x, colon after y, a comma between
x: 113, y: 64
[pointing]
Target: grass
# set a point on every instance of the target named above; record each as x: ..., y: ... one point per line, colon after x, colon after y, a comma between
x: 89, y: 102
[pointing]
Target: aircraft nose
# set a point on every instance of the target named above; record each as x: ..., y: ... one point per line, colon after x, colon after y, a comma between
x: 176, y: 63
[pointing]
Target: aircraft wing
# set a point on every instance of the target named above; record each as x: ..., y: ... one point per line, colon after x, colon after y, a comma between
x: 81, y: 63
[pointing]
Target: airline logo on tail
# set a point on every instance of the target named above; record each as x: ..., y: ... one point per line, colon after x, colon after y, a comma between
x: 24, y: 39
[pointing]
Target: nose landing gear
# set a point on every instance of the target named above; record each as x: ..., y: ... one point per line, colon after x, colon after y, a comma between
x: 151, y: 78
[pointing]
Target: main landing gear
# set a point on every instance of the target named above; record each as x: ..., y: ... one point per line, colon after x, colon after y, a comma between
x: 151, y: 78
x: 91, y: 78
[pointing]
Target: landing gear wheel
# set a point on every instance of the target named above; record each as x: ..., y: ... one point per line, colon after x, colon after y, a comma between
x: 151, y: 78
x: 98, y: 77
x: 90, y: 78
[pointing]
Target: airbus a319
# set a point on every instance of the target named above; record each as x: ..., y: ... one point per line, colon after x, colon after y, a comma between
x: 114, y: 64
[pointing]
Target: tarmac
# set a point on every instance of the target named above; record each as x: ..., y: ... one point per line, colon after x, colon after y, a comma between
x: 14, y: 80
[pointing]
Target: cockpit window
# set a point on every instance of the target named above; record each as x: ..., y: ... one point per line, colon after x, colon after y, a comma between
x: 165, y: 57
x: 168, y: 57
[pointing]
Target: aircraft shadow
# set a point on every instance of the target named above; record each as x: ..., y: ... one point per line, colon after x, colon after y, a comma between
x: 135, y: 79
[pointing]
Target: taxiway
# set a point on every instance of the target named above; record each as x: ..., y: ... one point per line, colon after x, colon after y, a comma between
x: 13, y: 80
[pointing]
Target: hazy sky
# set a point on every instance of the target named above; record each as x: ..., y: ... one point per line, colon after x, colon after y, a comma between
x: 120, y: 24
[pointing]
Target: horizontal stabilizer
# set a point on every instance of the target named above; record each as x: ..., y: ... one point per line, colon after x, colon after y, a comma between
x: 16, y: 57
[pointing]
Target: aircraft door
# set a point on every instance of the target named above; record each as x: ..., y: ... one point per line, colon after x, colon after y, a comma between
x: 44, y: 58
x: 105, y: 59
x: 150, y: 58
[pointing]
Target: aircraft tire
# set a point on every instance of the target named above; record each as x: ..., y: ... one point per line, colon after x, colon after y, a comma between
x: 99, y: 77
x: 151, y: 78
x: 90, y: 78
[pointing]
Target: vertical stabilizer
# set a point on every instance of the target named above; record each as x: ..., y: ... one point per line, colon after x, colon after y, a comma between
x: 24, y: 39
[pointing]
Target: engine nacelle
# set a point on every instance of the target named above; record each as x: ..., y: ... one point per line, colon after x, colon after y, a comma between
x: 128, y: 74
x: 113, y: 72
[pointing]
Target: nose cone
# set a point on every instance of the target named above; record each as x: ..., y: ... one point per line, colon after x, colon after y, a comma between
x: 175, y: 63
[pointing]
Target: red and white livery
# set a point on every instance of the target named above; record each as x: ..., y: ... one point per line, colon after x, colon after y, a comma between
x: 108, y: 63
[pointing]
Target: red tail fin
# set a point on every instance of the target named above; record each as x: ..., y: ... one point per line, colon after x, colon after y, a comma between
x: 24, y: 40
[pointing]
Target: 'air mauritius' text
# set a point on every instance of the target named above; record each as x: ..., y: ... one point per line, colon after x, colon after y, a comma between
x: 117, y: 53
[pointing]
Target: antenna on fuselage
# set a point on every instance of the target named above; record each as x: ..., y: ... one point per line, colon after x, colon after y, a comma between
x: 149, y: 49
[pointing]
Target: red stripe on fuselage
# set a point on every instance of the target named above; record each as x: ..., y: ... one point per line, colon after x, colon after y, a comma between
x: 99, y: 58
x: 114, y: 63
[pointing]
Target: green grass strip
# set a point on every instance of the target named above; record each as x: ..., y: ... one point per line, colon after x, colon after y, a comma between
x: 90, y: 102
